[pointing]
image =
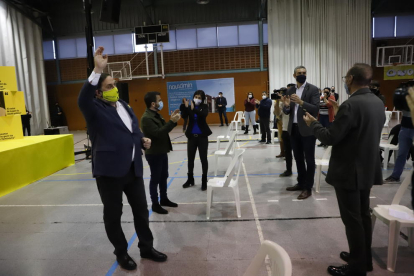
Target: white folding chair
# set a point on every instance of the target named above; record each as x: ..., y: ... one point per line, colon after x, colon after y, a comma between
x: 227, y: 182
x: 319, y: 164
x: 388, y: 115
x: 224, y: 137
x: 227, y: 152
x: 398, y: 114
x: 281, y: 264
x: 272, y: 132
x: 387, y: 214
x: 238, y: 117
x: 387, y: 147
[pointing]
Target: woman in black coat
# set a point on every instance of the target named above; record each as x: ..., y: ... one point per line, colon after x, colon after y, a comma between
x: 197, y: 133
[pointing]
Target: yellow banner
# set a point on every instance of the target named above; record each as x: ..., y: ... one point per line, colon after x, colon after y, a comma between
x: 404, y: 72
x: 8, y: 80
x: 11, y: 128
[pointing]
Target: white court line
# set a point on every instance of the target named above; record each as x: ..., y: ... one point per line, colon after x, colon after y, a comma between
x: 126, y: 204
x: 273, y: 200
x: 372, y: 197
x: 321, y: 198
x: 297, y: 199
x: 256, y: 218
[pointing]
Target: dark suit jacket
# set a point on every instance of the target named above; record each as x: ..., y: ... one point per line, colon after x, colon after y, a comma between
x: 202, y: 114
x: 311, y: 99
x: 112, y: 142
x: 221, y: 101
x: 355, y: 137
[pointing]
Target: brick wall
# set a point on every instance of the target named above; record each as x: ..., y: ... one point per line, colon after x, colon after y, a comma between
x: 196, y: 60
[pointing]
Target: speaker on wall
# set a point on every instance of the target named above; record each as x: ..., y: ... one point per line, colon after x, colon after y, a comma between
x: 123, y: 91
x: 110, y: 11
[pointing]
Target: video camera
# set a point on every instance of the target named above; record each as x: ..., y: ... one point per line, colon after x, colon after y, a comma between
x: 277, y: 92
x: 400, y: 93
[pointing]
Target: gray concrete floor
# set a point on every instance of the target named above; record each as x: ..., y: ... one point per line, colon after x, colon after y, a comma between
x: 55, y: 227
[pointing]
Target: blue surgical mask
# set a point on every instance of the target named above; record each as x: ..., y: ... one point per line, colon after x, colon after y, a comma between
x: 347, y: 89
x: 160, y: 105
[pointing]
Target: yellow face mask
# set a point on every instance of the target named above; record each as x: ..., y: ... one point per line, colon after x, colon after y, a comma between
x: 111, y: 95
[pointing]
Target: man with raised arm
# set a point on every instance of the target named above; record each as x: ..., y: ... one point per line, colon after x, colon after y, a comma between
x: 117, y: 144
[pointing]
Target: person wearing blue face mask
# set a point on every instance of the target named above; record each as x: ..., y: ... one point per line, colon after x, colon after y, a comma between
x: 197, y: 133
x: 154, y: 127
x: 301, y: 98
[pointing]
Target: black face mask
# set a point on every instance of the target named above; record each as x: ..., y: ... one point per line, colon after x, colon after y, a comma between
x: 301, y: 79
x: 333, y: 90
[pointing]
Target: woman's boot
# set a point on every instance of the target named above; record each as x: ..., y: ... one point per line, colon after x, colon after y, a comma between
x: 255, y: 128
x: 247, y: 129
x: 190, y: 181
x: 204, y: 182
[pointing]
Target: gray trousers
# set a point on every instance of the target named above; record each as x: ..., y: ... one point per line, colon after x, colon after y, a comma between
x: 250, y: 115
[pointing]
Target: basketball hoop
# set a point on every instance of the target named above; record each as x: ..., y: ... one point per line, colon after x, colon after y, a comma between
x: 119, y: 70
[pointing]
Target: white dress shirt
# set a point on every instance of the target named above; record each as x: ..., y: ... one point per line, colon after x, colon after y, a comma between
x: 122, y: 112
x: 299, y: 92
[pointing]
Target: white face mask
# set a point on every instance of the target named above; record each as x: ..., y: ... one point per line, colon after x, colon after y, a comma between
x: 250, y: 96
x: 264, y: 97
x: 197, y: 101
x: 220, y: 96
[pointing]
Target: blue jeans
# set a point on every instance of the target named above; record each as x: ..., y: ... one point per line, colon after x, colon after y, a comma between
x: 405, y: 141
x: 324, y: 120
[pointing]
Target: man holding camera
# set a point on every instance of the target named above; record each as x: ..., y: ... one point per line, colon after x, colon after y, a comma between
x: 303, y: 97
x: 356, y: 129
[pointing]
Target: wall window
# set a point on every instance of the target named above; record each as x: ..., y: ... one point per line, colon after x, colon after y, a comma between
x: 384, y: 27
x: 405, y: 25
x: 81, y: 47
x: 207, y: 37
x: 107, y: 41
x: 227, y: 36
x: 67, y: 48
x: 249, y: 34
x: 186, y: 39
x: 49, y: 50
x: 265, y: 34
x: 124, y: 43
x: 141, y: 48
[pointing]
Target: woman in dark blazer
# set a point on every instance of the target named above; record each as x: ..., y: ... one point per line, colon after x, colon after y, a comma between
x: 197, y: 133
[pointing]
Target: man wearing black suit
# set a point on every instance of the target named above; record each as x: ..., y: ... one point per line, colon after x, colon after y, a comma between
x: 117, y: 144
x: 221, y: 104
x: 354, y: 165
x: 300, y: 98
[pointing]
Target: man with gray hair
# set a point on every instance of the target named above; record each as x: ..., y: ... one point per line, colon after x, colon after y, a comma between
x: 301, y: 98
x: 354, y: 165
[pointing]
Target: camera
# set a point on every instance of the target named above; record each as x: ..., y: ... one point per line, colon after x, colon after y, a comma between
x: 275, y: 96
x: 400, y: 93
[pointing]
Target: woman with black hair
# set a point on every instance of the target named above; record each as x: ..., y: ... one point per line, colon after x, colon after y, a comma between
x: 197, y: 133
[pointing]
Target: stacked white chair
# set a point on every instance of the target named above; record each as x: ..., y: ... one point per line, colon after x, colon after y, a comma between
x: 227, y: 152
x: 398, y: 114
x: 280, y: 263
x: 227, y: 182
x: 387, y: 214
x: 387, y: 147
x: 224, y: 137
x: 319, y: 164
x: 238, y: 117
x: 388, y: 115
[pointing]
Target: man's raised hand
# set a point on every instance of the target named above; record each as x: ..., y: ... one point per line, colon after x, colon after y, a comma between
x: 100, y: 60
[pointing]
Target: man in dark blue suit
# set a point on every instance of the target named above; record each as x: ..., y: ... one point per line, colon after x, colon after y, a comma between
x: 117, y: 144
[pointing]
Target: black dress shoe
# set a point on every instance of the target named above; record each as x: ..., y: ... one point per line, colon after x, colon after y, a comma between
x: 154, y: 255
x: 158, y: 209
x: 262, y: 141
x: 286, y: 174
x: 168, y: 203
x: 268, y: 142
x: 294, y: 188
x: 126, y: 262
x: 305, y: 194
x: 345, y: 256
x: 343, y: 271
